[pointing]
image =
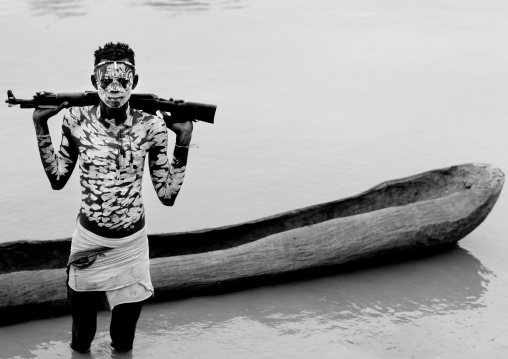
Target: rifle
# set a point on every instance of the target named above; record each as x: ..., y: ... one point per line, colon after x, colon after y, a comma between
x: 180, y: 111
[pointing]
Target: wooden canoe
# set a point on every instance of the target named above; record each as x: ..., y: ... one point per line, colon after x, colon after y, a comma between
x: 432, y: 210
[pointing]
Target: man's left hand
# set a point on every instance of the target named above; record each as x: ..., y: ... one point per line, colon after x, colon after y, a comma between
x: 183, y: 131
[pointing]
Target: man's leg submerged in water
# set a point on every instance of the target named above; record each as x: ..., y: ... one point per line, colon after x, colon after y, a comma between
x: 84, y: 307
x: 123, y: 325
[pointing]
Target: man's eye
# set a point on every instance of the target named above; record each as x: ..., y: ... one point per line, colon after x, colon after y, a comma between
x: 123, y: 82
x: 106, y: 81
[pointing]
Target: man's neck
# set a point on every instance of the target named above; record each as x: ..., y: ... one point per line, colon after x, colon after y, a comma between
x: 117, y: 114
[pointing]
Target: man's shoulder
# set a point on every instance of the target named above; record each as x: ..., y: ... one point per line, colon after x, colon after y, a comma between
x: 75, y: 116
x: 78, y: 112
x: 147, y: 119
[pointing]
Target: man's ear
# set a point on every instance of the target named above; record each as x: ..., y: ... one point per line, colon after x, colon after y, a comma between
x: 135, y: 81
x: 94, y: 81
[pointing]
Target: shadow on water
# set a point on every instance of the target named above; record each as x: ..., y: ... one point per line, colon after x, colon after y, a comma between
x: 70, y: 8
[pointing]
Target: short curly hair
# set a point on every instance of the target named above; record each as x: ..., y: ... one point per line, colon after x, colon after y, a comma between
x: 112, y: 51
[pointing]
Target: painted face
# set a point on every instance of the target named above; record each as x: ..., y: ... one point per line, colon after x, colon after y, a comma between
x: 114, y: 83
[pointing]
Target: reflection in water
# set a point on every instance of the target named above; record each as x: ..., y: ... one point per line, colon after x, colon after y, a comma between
x: 352, y: 306
x: 60, y: 8
x: 450, y: 281
x: 348, y: 306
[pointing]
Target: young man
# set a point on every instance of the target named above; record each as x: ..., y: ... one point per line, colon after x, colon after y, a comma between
x: 109, y: 250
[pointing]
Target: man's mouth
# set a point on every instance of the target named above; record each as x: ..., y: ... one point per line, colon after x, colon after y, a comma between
x: 115, y: 98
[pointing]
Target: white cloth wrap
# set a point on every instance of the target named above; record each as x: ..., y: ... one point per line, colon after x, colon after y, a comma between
x: 125, y: 266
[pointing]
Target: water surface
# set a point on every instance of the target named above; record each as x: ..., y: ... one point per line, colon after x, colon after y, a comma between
x: 316, y: 101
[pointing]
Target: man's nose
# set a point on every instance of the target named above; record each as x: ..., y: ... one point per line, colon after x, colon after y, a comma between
x: 115, y: 86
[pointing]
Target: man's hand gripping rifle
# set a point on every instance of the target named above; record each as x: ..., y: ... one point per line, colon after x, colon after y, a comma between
x: 179, y: 110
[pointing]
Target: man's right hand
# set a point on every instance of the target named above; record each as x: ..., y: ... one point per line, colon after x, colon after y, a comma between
x: 42, y: 115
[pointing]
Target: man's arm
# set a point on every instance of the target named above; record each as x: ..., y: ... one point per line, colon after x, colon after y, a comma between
x: 167, y: 176
x: 57, y: 165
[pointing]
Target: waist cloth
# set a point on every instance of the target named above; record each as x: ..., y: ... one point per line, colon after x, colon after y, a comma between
x: 118, y: 266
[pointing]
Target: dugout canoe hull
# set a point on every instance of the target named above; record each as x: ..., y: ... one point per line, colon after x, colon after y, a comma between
x: 412, y: 215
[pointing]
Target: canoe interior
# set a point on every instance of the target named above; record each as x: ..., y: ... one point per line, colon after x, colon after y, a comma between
x: 34, y: 255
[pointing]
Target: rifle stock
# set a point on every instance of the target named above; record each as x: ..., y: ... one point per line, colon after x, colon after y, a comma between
x: 185, y: 111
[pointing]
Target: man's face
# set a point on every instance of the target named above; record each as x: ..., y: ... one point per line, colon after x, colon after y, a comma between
x: 115, y: 81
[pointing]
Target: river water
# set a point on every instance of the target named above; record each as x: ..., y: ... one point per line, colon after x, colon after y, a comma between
x: 316, y: 101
